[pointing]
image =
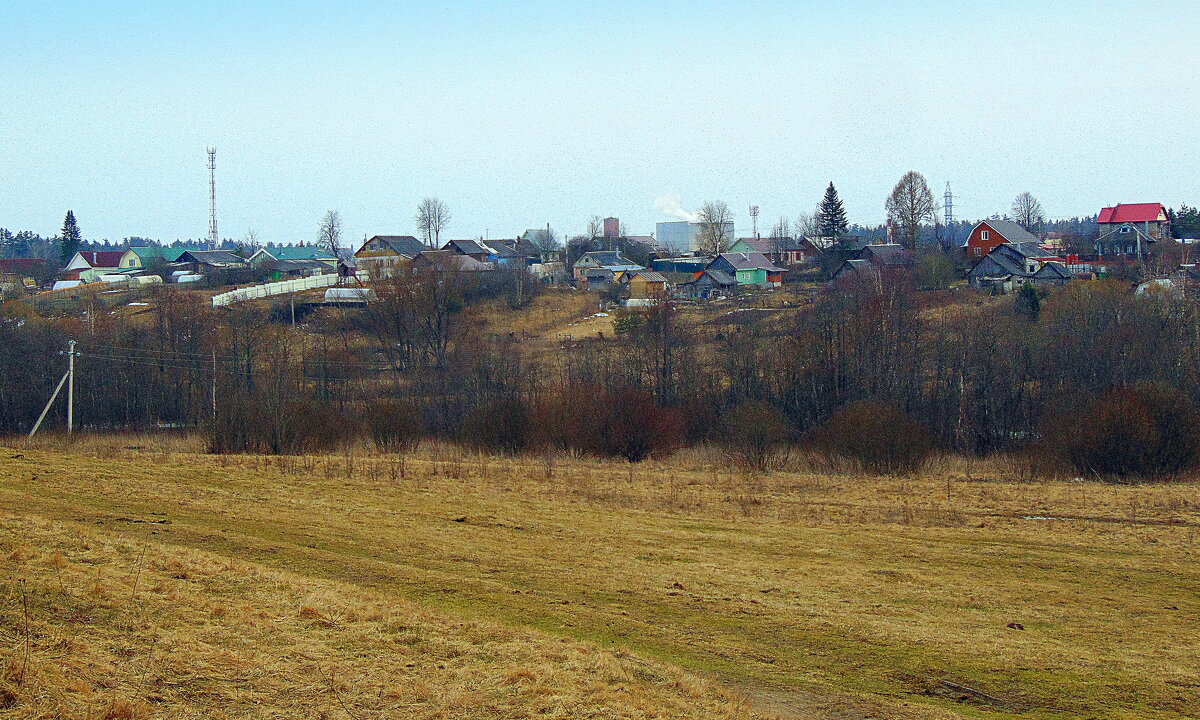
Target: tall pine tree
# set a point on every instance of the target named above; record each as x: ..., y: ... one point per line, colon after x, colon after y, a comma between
x: 831, y: 215
x: 69, y: 240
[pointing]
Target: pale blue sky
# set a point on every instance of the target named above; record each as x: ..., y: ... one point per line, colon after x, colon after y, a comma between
x: 519, y: 115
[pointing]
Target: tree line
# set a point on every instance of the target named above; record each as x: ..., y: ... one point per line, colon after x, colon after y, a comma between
x: 974, y: 380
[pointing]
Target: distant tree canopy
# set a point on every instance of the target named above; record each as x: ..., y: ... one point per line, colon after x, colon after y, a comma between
x: 1185, y: 222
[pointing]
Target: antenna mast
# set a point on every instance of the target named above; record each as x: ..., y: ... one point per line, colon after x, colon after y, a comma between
x: 949, y: 207
x: 212, y: 199
x: 754, y: 218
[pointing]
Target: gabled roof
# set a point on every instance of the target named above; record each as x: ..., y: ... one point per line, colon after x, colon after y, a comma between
x: 211, y: 257
x: 719, y: 277
x: 479, y: 247
x: 101, y: 258
x: 405, y: 245
x: 648, y: 275
x: 609, y: 259
x: 749, y: 261
x: 153, y: 252
x: 1134, y: 212
x: 21, y: 265
x: 285, y: 265
x: 1009, y: 231
x: 1027, y: 249
x: 1053, y: 271
x: 298, y: 252
x: 767, y: 245
x: 854, y: 267
x: 891, y: 254
x: 450, y: 260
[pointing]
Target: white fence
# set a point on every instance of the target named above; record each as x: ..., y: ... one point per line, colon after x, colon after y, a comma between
x: 276, y: 288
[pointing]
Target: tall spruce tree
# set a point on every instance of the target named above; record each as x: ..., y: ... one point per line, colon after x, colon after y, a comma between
x: 831, y: 215
x: 69, y: 241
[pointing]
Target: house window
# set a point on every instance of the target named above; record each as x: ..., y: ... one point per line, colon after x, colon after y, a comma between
x: 984, y: 235
x: 978, y: 251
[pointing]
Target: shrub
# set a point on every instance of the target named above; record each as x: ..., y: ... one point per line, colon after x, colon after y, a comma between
x: 1146, y: 430
x: 632, y: 426
x: 501, y: 426
x: 877, y: 436
x: 755, y: 435
x: 394, y: 425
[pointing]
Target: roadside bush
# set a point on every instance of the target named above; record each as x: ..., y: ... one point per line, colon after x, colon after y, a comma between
x: 755, y: 436
x: 878, y: 437
x: 394, y: 425
x: 1149, y: 431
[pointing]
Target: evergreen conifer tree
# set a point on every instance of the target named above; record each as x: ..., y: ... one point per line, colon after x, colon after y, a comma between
x: 831, y: 215
x: 69, y: 240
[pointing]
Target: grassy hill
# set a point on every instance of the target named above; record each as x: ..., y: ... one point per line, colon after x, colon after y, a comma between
x: 174, y: 584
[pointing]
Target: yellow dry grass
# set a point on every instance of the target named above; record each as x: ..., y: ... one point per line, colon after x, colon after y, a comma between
x: 676, y: 589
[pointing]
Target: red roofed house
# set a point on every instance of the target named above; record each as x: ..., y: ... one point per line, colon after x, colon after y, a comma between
x: 989, y: 234
x: 85, y: 260
x: 1129, y: 229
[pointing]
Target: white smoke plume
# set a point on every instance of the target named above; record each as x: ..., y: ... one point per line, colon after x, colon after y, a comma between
x: 670, y: 203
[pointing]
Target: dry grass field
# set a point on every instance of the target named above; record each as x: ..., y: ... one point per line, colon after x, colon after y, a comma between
x: 144, y: 579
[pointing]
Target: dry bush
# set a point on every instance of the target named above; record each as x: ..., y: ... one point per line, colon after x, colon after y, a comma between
x: 624, y: 423
x: 633, y: 427
x: 755, y: 436
x: 877, y: 437
x: 500, y: 426
x: 247, y: 423
x: 1147, y: 431
x: 394, y: 425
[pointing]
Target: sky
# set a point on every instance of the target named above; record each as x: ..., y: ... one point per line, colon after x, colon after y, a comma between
x: 518, y: 115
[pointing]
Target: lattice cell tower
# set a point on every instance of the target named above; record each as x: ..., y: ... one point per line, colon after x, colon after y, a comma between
x: 212, y: 199
x: 949, y: 207
x: 754, y: 219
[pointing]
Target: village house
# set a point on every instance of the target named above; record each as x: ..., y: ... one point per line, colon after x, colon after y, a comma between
x: 1010, y: 265
x: 781, y: 250
x: 872, y: 263
x: 610, y: 261
x: 20, y: 275
x: 644, y: 283
x: 382, y: 254
x: 448, y: 261
x: 1131, y: 229
x: 140, y: 258
x: 270, y: 256
x: 88, y: 266
x: 709, y: 284
x: 990, y: 233
x: 488, y: 252
x: 207, y: 260
x: 748, y: 268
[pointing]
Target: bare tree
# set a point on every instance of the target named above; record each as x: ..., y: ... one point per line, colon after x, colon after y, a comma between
x: 330, y: 234
x: 1028, y: 213
x: 805, y: 225
x: 781, y: 233
x: 716, y: 227
x: 910, y: 205
x: 432, y: 217
x: 547, y: 243
x: 595, y: 228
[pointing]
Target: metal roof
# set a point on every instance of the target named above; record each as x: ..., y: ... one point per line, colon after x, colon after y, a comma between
x: 1133, y: 212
